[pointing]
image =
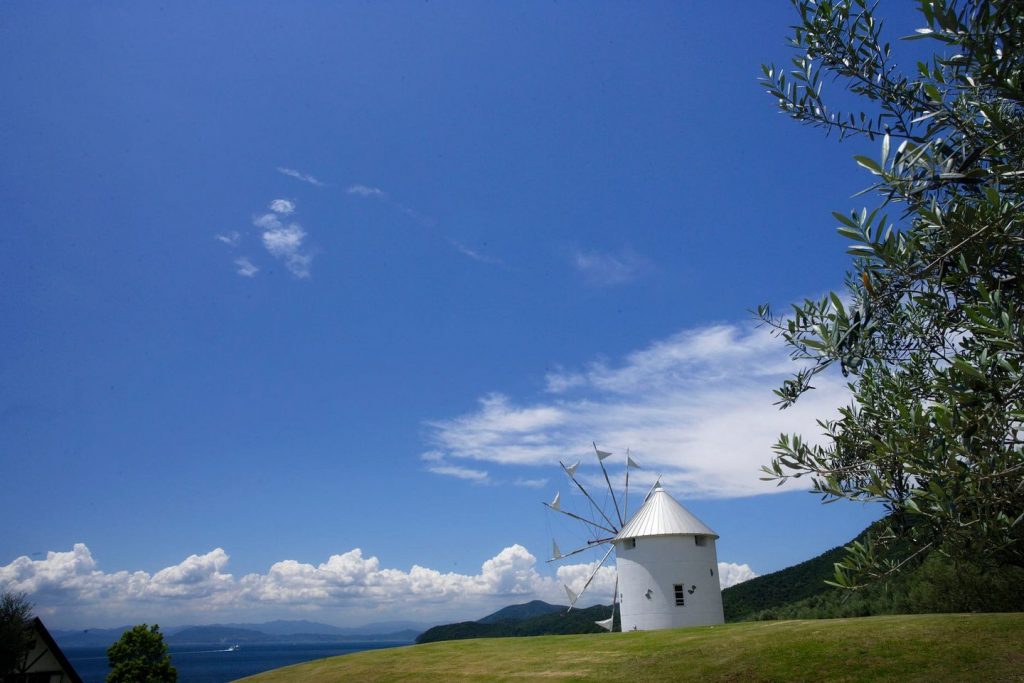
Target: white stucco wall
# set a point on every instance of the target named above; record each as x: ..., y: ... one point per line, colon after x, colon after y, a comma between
x: 656, y: 564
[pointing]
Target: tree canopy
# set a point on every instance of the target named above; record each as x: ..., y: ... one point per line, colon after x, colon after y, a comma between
x: 16, y: 637
x: 929, y: 329
x: 140, y: 656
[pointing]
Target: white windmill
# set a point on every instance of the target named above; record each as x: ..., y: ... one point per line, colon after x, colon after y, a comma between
x: 666, y: 562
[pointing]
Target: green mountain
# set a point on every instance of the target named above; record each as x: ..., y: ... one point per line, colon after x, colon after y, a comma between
x: 551, y: 623
x: 786, y: 586
x: 934, y: 584
x: 534, y: 608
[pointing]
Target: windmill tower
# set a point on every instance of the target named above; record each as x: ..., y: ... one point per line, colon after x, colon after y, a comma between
x: 666, y: 562
x: 667, y: 567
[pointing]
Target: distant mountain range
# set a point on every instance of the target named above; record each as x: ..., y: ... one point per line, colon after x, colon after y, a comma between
x: 267, y: 632
x: 227, y: 635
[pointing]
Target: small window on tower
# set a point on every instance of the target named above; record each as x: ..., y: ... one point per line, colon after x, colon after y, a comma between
x: 629, y: 544
x: 700, y: 540
x: 680, y: 594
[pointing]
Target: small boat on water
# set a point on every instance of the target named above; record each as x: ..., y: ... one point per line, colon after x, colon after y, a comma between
x: 233, y: 648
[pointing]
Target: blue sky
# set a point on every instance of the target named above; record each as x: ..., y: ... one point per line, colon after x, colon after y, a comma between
x: 286, y: 280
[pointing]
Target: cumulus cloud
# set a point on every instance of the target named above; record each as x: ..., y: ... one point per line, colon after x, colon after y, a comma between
x: 284, y: 241
x: 695, y: 407
x: 71, y: 590
x: 602, y: 269
x: 282, y: 206
x: 299, y: 175
x: 729, y: 574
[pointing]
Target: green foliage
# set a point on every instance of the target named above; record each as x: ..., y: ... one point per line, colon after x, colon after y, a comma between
x: 16, y: 637
x: 556, y: 623
x: 930, y: 328
x: 937, y: 585
x: 140, y: 656
x: 764, y: 595
x: 932, y: 583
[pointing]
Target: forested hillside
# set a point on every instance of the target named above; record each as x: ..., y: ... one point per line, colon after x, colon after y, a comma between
x: 935, y: 584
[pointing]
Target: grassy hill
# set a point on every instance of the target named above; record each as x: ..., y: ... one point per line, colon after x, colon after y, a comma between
x: 961, y: 647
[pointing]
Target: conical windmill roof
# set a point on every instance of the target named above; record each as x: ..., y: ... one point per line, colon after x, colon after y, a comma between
x: 662, y: 515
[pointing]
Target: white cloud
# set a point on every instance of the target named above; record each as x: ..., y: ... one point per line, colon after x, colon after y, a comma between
x: 695, y: 407
x: 473, y: 254
x: 729, y: 574
x: 478, y: 476
x: 245, y: 267
x: 366, y: 191
x: 299, y: 175
x: 609, y: 269
x: 284, y: 241
x: 282, y: 206
x: 531, y: 483
x: 71, y: 591
x: 231, y: 238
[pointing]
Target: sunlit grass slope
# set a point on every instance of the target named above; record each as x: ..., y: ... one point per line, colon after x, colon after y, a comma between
x: 947, y: 647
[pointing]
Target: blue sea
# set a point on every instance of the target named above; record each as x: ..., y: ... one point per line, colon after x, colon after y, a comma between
x: 214, y: 664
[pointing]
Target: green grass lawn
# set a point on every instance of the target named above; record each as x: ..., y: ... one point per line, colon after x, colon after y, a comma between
x: 945, y: 647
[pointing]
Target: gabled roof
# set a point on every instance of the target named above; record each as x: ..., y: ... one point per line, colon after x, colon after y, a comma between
x: 50, y: 645
x: 662, y: 515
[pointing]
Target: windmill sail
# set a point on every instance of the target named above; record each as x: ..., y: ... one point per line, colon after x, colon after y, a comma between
x: 607, y: 624
x: 598, y: 521
x: 592, y: 501
x: 601, y: 455
x: 592, y: 575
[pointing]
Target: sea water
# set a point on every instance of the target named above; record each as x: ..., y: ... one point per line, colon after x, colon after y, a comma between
x: 216, y: 664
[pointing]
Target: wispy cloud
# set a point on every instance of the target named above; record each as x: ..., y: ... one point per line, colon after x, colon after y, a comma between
x: 695, y: 407
x: 230, y: 238
x: 478, y: 476
x: 437, y: 464
x: 604, y: 269
x: 530, y: 483
x: 366, y: 191
x: 473, y: 254
x: 245, y: 267
x: 284, y: 241
x: 299, y: 175
x: 70, y: 589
